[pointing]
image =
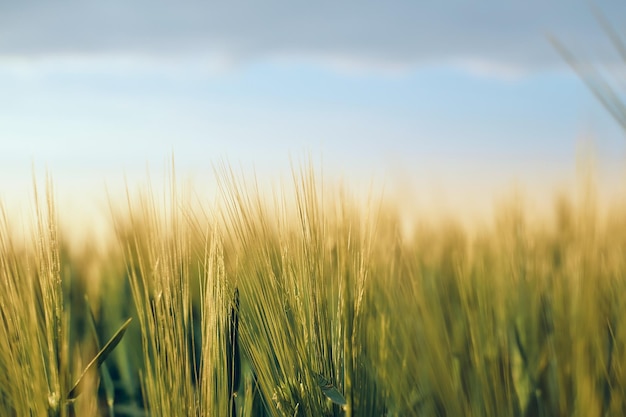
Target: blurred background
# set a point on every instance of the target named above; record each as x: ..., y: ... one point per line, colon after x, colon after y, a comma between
x: 455, y: 104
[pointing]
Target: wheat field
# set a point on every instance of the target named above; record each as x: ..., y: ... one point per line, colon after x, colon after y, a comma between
x: 313, y: 302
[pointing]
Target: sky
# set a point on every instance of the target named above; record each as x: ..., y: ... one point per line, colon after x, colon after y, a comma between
x: 451, y: 97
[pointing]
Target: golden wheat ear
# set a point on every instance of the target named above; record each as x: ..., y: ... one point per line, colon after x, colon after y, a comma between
x: 99, y: 358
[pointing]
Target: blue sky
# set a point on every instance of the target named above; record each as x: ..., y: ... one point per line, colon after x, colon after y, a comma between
x: 454, y: 94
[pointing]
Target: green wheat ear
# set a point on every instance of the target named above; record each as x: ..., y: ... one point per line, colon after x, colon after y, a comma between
x: 99, y: 358
x: 330, y: 391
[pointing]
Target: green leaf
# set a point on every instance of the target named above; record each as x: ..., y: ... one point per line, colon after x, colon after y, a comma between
x: 109, y: 387
x: 330, y: 391
x: 99, y: 358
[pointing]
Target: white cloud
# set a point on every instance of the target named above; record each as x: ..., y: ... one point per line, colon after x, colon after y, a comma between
x: 351, y: 33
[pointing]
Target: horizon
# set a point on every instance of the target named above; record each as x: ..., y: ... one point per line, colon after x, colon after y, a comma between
x: 458, y: 104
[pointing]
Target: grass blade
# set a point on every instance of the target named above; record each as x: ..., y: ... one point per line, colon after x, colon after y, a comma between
x: 233, y: 358
x: 99, y: 358
x: 109, y: 387
x: 330, y: 391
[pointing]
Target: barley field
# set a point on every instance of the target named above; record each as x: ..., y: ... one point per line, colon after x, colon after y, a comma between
x: 312, y: 302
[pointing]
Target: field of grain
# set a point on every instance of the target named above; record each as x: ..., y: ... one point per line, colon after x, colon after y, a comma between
x: 314, y: 303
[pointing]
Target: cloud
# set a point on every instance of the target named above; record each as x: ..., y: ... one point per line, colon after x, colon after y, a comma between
x: 399, y: 34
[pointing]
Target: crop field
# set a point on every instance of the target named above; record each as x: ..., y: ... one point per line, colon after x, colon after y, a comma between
x: 313, y: 303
